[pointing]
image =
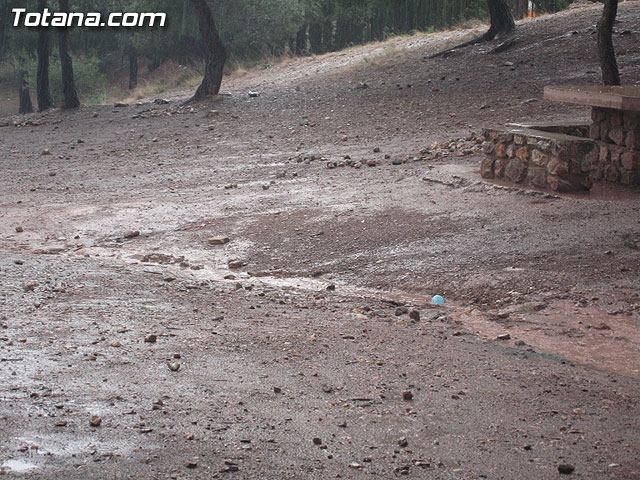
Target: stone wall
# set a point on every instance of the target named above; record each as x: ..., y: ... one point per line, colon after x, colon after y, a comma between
x: 617, y: 158
x: 540, y: 159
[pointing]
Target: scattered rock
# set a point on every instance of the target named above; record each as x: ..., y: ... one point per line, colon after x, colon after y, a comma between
x: 407, y: 395
x: 277, y: 390
x: 415, y: 315
x: 174, y: 366
x: 401, y: 311
x: 19, y: 229
x: 161, y: 101
x: 95, y: 421
x: 403, y: 442
x: 602, y: 326
x: 150, y: 339
x: 132, y: 234
x: 61, y: 423
x: 317, y: 441
x: 504, y: 336
x: 376, y: 150
x: 230, y: 466
x: 235, y: 264
x: 566, y: 469
x: 254, y: 94
x: 402, y: 470
x: 191, y: 464
x: 46, y: 151
x: 331, y: 287
x: 218, y: 240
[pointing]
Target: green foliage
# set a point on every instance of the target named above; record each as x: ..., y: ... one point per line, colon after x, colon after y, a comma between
x: 255, y: 28
x: 91, y: 84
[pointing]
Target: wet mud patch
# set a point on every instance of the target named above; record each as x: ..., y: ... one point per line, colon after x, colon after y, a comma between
x: 319, y: 241
x: 586, y: 335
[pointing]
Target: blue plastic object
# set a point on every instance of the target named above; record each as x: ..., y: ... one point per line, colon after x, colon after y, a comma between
x: 437, y: 300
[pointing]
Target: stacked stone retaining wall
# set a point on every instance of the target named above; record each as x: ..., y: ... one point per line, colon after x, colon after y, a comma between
x: 540, y: 159
x: 617, y: 158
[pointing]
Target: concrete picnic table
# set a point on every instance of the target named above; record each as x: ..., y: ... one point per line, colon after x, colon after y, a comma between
x: 625, y: 97
x: 615, y: 115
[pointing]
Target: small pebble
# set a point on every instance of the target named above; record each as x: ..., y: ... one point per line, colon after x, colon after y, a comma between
x: 566, y: 469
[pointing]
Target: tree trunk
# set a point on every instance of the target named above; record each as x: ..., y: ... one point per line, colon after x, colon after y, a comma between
x: 45, y: 102
x: 606, y: 53
x: 315, y: 37
x: 327, y: 36
x: 25, y: 96
x: 502, y: 23
x: 501, y: 19
x: 301, y: 40
x: 216, y: 52
x: 71, y: 99
x: 133, y: 68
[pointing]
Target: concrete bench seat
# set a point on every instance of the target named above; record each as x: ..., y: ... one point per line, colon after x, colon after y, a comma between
x: 577, y: 128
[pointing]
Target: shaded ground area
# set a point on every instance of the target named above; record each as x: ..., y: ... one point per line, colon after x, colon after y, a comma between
x: 309, y: 360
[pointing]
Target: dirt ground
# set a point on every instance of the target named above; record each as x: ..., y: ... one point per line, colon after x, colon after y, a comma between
x: 319, y: 355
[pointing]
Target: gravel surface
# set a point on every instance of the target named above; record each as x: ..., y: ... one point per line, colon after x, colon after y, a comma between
x: 242, y: 289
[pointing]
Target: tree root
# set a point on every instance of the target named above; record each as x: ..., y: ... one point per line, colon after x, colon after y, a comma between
x: 490, y: 35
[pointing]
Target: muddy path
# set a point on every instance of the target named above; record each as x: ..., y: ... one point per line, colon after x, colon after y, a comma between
x: 306, y: 345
